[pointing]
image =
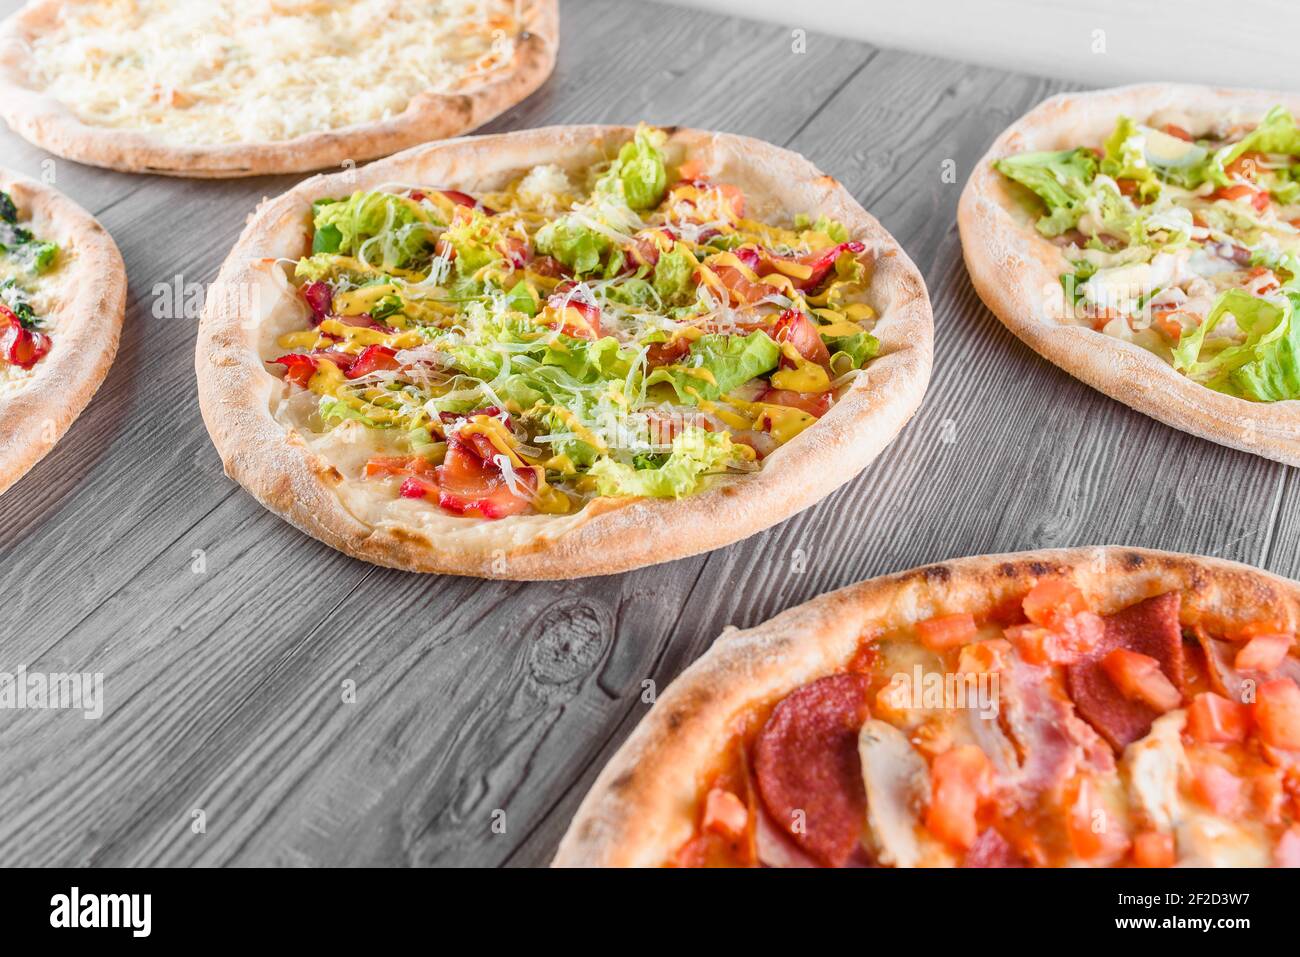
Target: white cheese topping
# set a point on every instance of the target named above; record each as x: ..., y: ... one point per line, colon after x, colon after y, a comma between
x: 198, y: 72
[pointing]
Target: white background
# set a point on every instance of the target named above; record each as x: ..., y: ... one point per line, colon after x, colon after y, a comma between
x: 1243, y: 43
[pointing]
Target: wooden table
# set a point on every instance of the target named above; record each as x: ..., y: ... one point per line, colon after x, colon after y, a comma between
x: 228, y: 639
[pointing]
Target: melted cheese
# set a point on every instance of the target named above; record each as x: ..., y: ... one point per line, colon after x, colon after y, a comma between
x: 238, y: 71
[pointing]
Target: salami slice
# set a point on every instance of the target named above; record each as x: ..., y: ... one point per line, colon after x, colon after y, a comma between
x: 1150, y: 628
x: 806, y: 763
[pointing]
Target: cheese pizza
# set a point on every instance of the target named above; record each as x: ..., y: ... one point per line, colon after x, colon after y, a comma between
x: 241, y: 87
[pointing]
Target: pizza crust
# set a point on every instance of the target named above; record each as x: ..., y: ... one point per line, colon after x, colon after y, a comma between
x: 89, y: 287
x: 608, y: 535
x: 41, y: 119
x: 1016, y: 271
x: 644, y: 804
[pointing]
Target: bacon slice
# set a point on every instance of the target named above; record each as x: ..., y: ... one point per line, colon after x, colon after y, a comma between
x: 1226, y: 679
x: 807, y: 767
x: 1149, y: 628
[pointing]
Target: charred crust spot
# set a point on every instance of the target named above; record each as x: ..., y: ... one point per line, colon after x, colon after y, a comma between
x: 670, y: 130
x: 332, y: 474
x: 675, y: 720
x: 1039, y: 568
x: 936, y: 573
x: 1007, y: 570
x: 402, y: 535
x: 1133, y: 560
x: 623, y: 781
x: 825, y: 180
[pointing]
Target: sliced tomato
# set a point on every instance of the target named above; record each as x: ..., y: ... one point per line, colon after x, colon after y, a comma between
x: 20, y: 346
x: 1094, y: 832
x: 947, y: 631
x: 1239, y: 191
x: 1175, y: 130
x: 1214, y: 719
x: 959, y: 780
x: 794, y: 327
x: 814, y: 403
x: 1139, y: 678
x: 1169, y: 327
x: 373, y: 359
x: 725, y: 814
x: 298, y: 368
x: 1245, y: 166
x: 1154, y: 849
x: 1218, y: 789
x: 465, y: 199
x: 1050, y: 602
x: 1263, y: 652
x: 1277, y: 713
x: 578, y: 319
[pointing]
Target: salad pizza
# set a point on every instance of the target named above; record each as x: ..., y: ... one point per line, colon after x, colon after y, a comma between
x: 561, y: 352
x: 1091, y: 707
x: 1147, y: 240
x: 219, y: 88
x: 62, y: 299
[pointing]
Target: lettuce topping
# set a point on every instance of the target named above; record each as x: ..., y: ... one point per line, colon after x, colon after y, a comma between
x: 618, y: 330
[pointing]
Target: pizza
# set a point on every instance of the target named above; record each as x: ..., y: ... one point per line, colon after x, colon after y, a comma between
x: 219, y: 88
x: 560, y: 352
x: 1146, y: 239
x: 62, y: 298
x: 1099, y: 707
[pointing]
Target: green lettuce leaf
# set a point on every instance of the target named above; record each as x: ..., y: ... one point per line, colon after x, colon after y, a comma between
x: 674, y: 277
x: 695, y: 453
x: 638, y: 174
x: 1125, y: 159
x: 1061, y: 180
x: 855, y: 350
x: 1266, y: 367
x: 380, y: 228
x: 717, y: 364
x: 579, y: 247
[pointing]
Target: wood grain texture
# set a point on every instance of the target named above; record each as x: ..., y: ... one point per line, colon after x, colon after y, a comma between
x: 482, y: 703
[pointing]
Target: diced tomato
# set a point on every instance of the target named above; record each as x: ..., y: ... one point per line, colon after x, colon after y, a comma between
x: 725, y: 814
x: 691, y: 169
x: 1127, y: 187
x: 1263, y: 653
x: 1245, y: 166
x: 1169, y: 327
x: 1093, y: 831
x: 797, y: 329
x: 20, y: 346
x: 548, y: 266
x: 1139, y: 678
x: 1214, y: 719
x: 319, y: 298
x: 1218, y: 789
x: 1033, y: 642
x: 1263, y: 626
x: 1154, y: 849
x: 1075, y: 637
x: 959, y: 780
x: 1287, y: 852
x: 465, y: 199
x: 516, y: 250
x: 814, y: 403
x: 1174, y: 130
x: 1277, y: 713
x: 1258, y: 197
x: 471, y: 483
x: 373, y: 359
x: 1052, y: 601
x: 946, y: 631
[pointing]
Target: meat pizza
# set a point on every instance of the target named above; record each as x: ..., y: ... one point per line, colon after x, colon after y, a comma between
x: 1088, y: 707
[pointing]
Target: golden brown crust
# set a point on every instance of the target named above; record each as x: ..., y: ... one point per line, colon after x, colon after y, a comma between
x: 1016, y: 271
x: 41, y: 119
x: 608, y: 535
x: 90, y: 287
x: 643, y: 805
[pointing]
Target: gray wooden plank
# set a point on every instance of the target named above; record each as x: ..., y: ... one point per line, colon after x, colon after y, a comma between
x: 222, y: 686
